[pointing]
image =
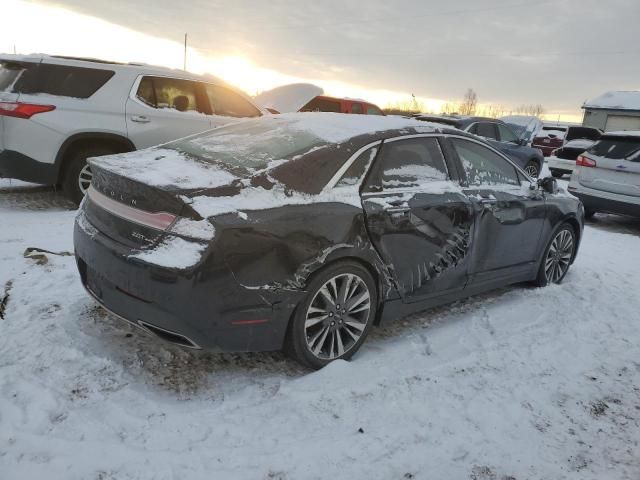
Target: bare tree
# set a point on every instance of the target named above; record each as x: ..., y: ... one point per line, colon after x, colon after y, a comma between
x: 450, y: 108
x: 405, y: 107
x: 470, y: 102
x: 532, y: 110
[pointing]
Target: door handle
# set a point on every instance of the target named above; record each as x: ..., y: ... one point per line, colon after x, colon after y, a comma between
x: 397, y: 213
x: 140, y: 119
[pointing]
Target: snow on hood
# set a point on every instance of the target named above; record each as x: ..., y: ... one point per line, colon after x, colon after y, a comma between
x: 288, y: 98
x: 623, y: 133
x: 616, y: 101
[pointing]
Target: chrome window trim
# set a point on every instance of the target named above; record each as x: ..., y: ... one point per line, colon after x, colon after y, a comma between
x: 346, y: 165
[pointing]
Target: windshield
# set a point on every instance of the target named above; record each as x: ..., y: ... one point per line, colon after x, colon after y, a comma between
x: 249, y: 145
x: 616, y: 148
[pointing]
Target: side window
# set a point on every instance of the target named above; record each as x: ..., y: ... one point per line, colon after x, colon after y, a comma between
x: 171, y: 93
x: 356, y: 172
x: 321, y: 105
x: 61, y: 80
x: 356, y: 108
x: 145, y: 93
x: 486, y: 130
x: 483, y: 166
x: 506, y: 135
x: 371, y: 110
x: 408, y: 163
x: 228, y: 103
x: 473, y: 129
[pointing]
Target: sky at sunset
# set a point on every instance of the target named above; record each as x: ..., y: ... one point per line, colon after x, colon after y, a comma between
x: 511, y: 52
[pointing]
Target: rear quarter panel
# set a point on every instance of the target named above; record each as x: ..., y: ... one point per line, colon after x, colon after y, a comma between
x: 277, y: 250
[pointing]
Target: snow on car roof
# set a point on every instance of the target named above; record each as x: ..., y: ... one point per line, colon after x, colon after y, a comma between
x: 624, y: 133
x: 257, y: 143
x: 616, y: 100
x: 288, y: 98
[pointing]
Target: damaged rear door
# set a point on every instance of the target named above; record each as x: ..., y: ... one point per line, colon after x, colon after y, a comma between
x: 418, y: 219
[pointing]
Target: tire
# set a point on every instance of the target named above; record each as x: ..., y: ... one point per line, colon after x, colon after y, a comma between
x: 589, y: 213
x: 556, y: 173
x: 322, y: 331
x: 532, y: 169
x: 77, y: 166
x: 557, y: 256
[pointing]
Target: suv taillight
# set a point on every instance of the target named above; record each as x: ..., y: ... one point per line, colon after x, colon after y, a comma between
x: 23, y: 110
x: 583, y: 161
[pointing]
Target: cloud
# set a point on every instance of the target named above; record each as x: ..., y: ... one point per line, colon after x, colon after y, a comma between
x: 557, y: 53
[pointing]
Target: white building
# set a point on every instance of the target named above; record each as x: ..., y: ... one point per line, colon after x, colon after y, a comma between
x: 613, y: 111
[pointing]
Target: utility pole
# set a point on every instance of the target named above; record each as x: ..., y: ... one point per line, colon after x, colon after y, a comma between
x: 185, y: 52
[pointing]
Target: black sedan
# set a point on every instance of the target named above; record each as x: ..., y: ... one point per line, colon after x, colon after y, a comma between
x: 301, y: 232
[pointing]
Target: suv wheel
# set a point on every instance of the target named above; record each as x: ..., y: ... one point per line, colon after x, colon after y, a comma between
x: 335, y: 317
x: 77, y: 175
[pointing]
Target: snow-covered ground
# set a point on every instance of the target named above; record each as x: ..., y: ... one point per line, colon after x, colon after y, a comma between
x: 523, y: 383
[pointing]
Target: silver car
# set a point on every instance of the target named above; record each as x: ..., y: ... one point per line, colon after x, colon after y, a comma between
x: 607, y: 176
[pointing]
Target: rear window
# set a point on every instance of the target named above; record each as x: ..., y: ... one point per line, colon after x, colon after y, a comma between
x: 250, y: 146
x: 616, y: 147
x: 9, y: 73
x: 321, y: 105
x: 58, y: 80
x: 575, y: 133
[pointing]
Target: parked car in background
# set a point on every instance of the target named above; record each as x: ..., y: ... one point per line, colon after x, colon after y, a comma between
x: 607, y: 175
x: 499, y: 135
x: 55, y: 112
x: 306, y: 97
x: 526, y: 127
x: 549, y: 138
x: 563, y: 160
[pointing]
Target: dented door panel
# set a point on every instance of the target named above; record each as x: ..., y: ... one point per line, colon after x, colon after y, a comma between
x: 509, y: 226
x: 425, y: 238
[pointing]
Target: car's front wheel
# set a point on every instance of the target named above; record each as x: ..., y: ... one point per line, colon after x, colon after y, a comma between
x: 532, y: 169
x: 557, y: 256
x: 335, y: 316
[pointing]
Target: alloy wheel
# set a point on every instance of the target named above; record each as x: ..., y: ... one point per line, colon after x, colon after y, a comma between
x: 531, y: 170
x: 337, y: 316
x: 559, y: 256
x: 84, y: 179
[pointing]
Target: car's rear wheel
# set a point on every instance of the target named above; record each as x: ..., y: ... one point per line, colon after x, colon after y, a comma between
x: 557, y: 256
x: 532, y: 169
x: 335, y: 316
x: 77, y: 176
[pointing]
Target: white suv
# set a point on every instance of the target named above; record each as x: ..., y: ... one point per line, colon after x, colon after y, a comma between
x: 607, y: 176
x: 55, y: 112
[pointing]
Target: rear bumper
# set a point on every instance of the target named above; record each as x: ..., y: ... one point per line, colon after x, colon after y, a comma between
x: 610, y: 203
x: 17, y: 165
x: 561, y: 165
x: 199, y: 308
x: 545, y: 149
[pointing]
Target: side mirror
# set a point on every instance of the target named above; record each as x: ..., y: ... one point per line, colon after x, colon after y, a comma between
x: 549, y: 185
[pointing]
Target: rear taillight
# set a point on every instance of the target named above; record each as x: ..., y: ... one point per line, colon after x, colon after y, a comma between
x: 23, y: 110
x: 583, y: 161
x: 157, y: 220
